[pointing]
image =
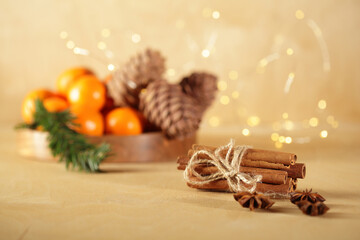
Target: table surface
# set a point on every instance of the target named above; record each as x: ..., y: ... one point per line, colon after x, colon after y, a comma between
x: 151, y: 201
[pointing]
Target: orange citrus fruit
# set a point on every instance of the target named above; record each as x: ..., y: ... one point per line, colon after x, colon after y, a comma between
x: 28, y: 104
x: 55, y: 104
x: 87, y: 92
x: 70, y: 76
x: 123, y: 121
x: 90, y: 123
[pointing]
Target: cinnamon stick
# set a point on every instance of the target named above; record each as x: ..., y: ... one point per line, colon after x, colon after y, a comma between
x: 257, y: 155
x: 222, y: 185
x: 268, y: 175
x: 298, y: 170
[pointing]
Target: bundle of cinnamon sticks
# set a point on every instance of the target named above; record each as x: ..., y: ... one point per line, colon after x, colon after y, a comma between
x: 279, y: 170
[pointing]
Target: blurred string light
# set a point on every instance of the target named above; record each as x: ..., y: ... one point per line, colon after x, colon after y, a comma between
x: 282, y: 127
x: 224, y: 100
x: 322, y: 104
x: 215, y: 14
x: 222, y: 85
x: 205, y: 53
x: 288, y: 83
x: 233, y: 75
x: 299, y: 14
x: 323, y: 46
x: 210, y: 13
x: 289, y: 51
x: 101, y: 45
x: 245, y: 132
x: 136, y: 38
x: 285, y: 124
x: 105, y: 33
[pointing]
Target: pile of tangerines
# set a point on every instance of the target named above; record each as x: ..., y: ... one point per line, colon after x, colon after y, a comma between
x: 80, y: 91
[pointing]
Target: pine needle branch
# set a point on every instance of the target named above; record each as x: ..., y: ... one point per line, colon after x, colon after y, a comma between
x: 70, y: 146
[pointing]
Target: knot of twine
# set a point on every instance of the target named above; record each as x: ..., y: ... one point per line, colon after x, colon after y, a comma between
x: 228, y: 169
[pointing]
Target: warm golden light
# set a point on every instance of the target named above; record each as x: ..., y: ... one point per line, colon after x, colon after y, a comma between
x: 105, y: 33
x: 289, y: 125
x: 323, y: 134
x: 313, y: 122
x: 214, y: 121
x: 216, y: 15
x: 278, y: 145
x: 235, y: 94
x: 233, y: 75
x: 63, y: 35
x: 285, y: 115
x: 111, y: 67
x: 205, y: 53
x: 322, y: 104
x: 245, y: 132
x: 289, y: 51
x: 274, y: 137
x: 170, y: 72
x: 282, y: 139
x: 70, y: 44
x: 288, y: 140
x: 224, y: 100
x: 299, y: 14
x: 101, y: 45
x: 263, y: 62
x: 222, y: 85
x: 253, y: 121
x: 136, y: 38
x: 206, y: 12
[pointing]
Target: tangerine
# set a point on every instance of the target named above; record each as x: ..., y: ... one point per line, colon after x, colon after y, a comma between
x: 28, y: 104
x: 90, y: 123
x: 123, y: 121
x: 55, y: 104
x: 87, y: 92
x: 68, y: 77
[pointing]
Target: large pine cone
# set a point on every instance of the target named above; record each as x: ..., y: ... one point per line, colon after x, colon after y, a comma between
x: 166, y: 106
x: 202, y: 87
x: 127, y: 83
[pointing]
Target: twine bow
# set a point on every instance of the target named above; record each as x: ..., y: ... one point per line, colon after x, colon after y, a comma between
x: 228, y: 169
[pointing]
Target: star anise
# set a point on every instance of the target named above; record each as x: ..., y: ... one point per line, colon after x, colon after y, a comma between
x: 253, y: 200
x: 312, y: 209
x: 306, y: 195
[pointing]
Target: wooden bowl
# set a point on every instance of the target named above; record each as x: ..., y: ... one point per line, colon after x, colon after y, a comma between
x: 147, y: 147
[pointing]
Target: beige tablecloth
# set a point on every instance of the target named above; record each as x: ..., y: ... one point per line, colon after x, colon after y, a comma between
x: 151, y: 201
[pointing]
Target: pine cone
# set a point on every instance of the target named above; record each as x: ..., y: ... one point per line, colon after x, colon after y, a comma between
x: 141, y: 70
x: 253, y: 200
x: 202, y: 87
x: 166, y: 106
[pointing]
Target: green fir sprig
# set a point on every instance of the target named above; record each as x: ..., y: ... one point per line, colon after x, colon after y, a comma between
x: 65, y: 143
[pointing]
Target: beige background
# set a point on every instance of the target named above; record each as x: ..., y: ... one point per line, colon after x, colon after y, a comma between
x: 33, y: 54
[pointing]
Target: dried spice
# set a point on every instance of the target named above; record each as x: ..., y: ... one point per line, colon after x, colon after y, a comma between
x: 306, y: 195
x: 253, y: 200
x: 312, y: 209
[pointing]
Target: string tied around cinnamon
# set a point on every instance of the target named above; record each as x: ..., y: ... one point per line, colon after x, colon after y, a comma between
x: 227, y: 168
